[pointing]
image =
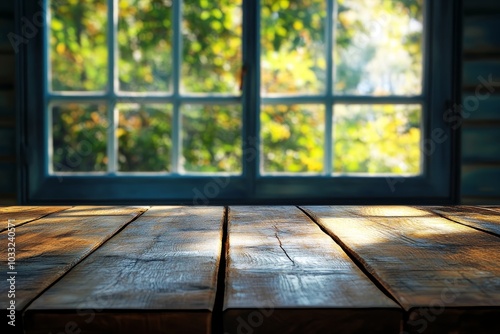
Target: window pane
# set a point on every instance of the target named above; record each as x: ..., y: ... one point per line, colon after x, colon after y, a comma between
x: 79, y: 138
x: 377, y: 139
x: 212, y: 46
x: 144, y: 138
x: 211, y: 137
x: 378, y: 47
x: 293, y: 46
x: 145, y: 45
x: 293, y: 138
x: 78, y: 50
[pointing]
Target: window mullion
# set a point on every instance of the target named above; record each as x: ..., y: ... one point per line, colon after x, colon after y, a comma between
x: 251, y: 92
x: 176, y: 77
x: 112, y: 147
x: 329, y: 34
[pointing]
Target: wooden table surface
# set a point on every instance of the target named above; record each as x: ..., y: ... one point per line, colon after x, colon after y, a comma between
x: 251, y: 269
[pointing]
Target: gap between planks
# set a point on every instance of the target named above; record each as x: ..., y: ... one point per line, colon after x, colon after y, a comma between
x: 470, y: 216
x: 167, y: 249
x: 285, y: 274
x: 27, y: 214
x: 358, y: 261
x: 218, y: 309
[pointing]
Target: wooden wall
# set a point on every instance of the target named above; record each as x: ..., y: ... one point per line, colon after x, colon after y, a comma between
x: 481, y: 127
x: 8, y: 175
x: 480, y: 130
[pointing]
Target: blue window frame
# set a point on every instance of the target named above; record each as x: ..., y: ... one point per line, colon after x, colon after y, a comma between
x: 255, y: 181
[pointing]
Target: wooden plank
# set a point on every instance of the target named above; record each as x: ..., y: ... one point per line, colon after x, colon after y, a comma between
x: 480, y: 35
x: 493, y: 207
x: 480, y: 181
x: 434, y: 268
x: 284, y: 275
x: 480, y: 143
x: 48, y: 247
x: 481, y: 218
x: 7, y: 70
x: 487, y: 110
x: 159, y: 273
x: 88, y: 210
x: 25, y: 214
x: 481, y: 73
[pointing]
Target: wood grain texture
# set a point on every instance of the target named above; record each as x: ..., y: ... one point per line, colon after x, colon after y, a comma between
x: 481, y: 218
x: 159, y: 273
x: 48, y: 247
x: 25, y: 214
x: 428, y: 263
x: 279, y: 260
x: 493, y: 207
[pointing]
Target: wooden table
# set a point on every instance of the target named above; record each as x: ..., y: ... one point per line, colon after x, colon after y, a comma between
x: 270, y: 269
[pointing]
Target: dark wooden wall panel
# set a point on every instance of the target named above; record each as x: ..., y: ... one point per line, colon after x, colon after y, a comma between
x: 487, y: 109
x: 481, y: 144
x: 480, y: 183
x: 481, y: 35
x: 8, y: 174
x: 481, y: 128
x: 476, y: 72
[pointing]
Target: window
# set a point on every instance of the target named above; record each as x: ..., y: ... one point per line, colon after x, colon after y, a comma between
x: 206, y: 102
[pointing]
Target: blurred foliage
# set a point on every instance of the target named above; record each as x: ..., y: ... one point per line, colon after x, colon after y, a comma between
x: 377, y: 50
x: 388, y: 143
x: 378, y: 47
x: 145, y: 47
x: 79, y: 138
x: 292, y: 46
x: 211, y: 138
x: 78, y: 45
x: 212, y: 51
x: 144, y: 138
x: 293, y: 138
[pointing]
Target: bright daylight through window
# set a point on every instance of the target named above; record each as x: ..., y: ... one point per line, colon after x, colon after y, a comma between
x: 241, y: 101
x: 340, y: 87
